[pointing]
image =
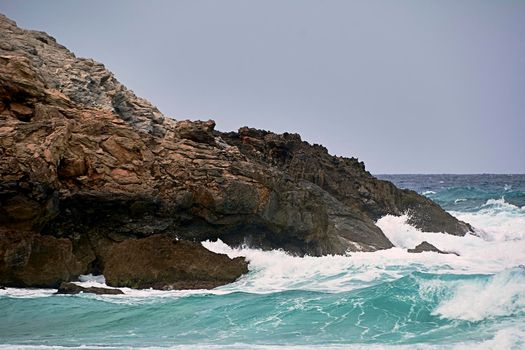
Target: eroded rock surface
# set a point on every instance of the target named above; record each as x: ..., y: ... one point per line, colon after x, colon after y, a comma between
x: 162, y: 262
x: 89, y: 167
x: 83, y: 81
x: 344, y: 178
x: 33, y: 260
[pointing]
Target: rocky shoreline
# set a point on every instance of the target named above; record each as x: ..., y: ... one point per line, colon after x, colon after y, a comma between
x: 94, y: 179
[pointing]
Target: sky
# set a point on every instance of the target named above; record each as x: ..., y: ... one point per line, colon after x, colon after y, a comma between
x: 405, y: 86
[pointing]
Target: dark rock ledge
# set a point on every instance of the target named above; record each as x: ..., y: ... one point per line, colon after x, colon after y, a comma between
x: 94, y: 179
x: 71, y: 288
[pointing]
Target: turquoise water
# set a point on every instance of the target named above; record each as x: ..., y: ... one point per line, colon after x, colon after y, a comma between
x: 387, y: 299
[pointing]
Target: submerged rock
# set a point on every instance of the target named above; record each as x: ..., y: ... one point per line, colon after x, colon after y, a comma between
x: 71, y: 288
x: 427, y: 247
x: 87, y: 168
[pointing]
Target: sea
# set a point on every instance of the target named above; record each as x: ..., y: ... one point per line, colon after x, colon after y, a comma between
x: 389, y: 299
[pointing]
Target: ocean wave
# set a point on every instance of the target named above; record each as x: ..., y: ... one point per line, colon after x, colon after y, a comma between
x: 426, y: 193
x: 472, y: 199
x: 478, y: 299
x: 508, y: 338
x: 276, y: 270
x: 501, y: 204
x: 496, y: 220
x: 415, y: 308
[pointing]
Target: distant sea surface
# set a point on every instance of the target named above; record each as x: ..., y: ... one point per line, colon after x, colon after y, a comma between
x: 383, y: 300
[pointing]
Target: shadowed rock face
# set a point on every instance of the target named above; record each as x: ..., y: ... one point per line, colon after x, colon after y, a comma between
x: 86, y: 162
x: 32, y: 260
x: 179, y: 264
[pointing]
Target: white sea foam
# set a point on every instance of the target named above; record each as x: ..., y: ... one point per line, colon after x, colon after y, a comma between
x: 502, y: 246
x: 475, y: 299
x: 502, y: 205
x: 426, y: 193
x: 88, y: 279
x: 497, y: 220
x: 507, y: 338
x: 26, y: 292
x: 273, y: 271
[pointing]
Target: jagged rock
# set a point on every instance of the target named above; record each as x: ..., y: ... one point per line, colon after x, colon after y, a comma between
x: 86, y: 163
x: 71, y: 288
x: 162, y: 262
x: 427, y: 247
x: 344, y: 178
x: 82, y: 81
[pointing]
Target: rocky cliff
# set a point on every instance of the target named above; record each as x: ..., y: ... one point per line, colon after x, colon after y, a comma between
x: 89, y: 172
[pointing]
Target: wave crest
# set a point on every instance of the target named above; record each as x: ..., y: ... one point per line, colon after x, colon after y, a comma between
x: 478, y: 299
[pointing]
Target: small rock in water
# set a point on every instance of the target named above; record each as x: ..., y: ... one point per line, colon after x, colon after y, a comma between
x: 71, y: 288
x: 427, y: 247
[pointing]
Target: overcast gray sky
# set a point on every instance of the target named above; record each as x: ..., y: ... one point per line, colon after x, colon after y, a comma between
x: 405, y: 86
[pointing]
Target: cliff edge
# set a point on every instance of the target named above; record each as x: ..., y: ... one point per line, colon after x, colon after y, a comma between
x: 89, y: 172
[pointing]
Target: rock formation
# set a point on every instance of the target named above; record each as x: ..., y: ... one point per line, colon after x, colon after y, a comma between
x: 427, y: 247
x: 86, y: 167
x: 71, y: 288
x: 32, y: 260
x: 162, y: 262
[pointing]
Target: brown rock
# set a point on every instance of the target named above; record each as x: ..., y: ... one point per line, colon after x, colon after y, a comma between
x: 32, y: 260
x: 71, y: 288
x: 87, y: 167
x: 20, y: 109
x: 163, y: 262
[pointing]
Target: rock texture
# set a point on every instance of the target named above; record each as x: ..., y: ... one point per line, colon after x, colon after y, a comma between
x: 71, y: 288
x: 427, y: 247
x: 83, y: 81
x: 179, y: 264
x: 32, y: 260
x: 344, y: 178
x: 87, y: 166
